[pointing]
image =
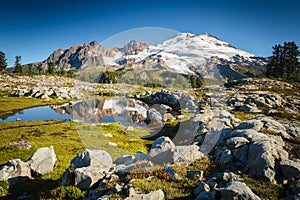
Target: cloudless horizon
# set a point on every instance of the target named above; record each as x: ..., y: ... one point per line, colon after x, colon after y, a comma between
x: 33, y: 29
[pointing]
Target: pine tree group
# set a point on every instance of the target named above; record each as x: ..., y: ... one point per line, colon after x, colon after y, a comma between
x: 18, y: 66
x: 284, y: 62
x: 3, y: 62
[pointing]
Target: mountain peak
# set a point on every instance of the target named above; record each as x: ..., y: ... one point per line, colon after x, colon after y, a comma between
x: 94, y: 43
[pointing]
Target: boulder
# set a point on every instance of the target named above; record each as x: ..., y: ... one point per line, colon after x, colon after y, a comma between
x: 15, y: 169
x: 157, y: 195
x: 200, y: 139
x: 185, y: 155
x: 85, y: 177
x: 264, y: 151
x: 43, y: 160
x: 125, y: 160
x: 236, y: 142
x: 248, y: 108
x: 223, y: 154
x: 154, y: 118
x: 195, y: 174
x: 161, y: 150
x: 241, y: 154
x: 275, y: 127
x: 237, y: 190
x: 206, y: 195
x: 251, y: 124
x: 140, y: 156
x: 92, y: 158
x: 290, y: 169
x: 200, y: 187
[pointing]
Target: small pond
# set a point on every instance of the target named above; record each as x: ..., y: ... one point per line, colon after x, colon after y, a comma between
x: 91, y: 110
x: 37, y: 113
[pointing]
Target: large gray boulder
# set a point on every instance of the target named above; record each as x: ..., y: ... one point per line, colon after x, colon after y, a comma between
x: 85, y: 177
x: 157, y: 195
x: 92, y: 158
x: 185, y: 155
x: 254, y: 152
x: 43, y: 160
x: 161, y: 150
x: 236, y: 142
x: 264, y: 151
x: 251, y: 124
x: 125, y: 160
x: 275, y: 127
x: 237, y: 190
x: 14, y: 169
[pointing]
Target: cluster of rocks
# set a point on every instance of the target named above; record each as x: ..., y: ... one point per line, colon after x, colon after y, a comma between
x: 250, y: 149
x: 93, y: 169
x: 263, y: 96
x: 16, y: 171
x: 44, y: 87
x: 174, y: 99
x: 263, y: 147
x: 223, y: 185
x: 48, y: 93
x: 258, y: 84
x: 257, y: 102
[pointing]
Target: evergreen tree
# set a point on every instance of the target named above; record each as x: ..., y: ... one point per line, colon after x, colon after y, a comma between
x: 30, y: 69
x: 39, y: 68
x: 284, y: 62
x: 18, y: 66
x: 109, y: 77
x: 51, y: 68
x: 195, y: 81
x: 3, y: 63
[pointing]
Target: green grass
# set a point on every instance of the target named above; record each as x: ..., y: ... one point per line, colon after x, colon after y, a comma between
x: 285, y: 115
x: 264, y: 189
x: 62, y: 135
x: 68, y: 139
x: 11, y: 105
x: 128, y: 142
x: 243, y: 116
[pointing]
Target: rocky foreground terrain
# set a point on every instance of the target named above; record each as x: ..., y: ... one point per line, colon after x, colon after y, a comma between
x: 249, y: 128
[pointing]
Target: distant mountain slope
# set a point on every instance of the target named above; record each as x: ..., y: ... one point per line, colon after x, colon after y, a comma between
x: 202, y: 55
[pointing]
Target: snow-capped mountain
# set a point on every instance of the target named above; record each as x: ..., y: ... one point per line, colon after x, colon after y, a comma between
x: 186, y: 53
x: 192, y: 54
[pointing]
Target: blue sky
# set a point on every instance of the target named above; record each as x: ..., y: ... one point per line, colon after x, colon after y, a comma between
x: 35, y: 28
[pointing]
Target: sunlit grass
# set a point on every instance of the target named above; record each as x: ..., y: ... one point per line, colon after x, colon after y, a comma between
x: 68, y: 140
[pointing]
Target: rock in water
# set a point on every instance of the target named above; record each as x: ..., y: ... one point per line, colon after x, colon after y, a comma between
x: 43, y: 160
